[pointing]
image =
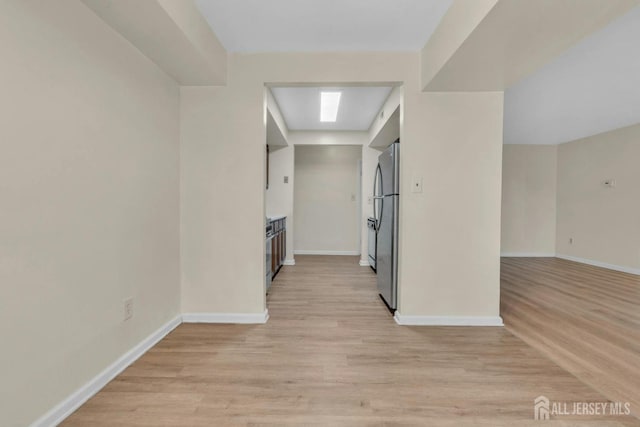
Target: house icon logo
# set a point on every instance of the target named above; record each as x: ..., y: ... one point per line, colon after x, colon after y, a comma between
x: 541, y: 408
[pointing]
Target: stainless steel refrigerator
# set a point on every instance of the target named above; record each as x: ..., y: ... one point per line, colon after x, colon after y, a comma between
x: 385, y: 206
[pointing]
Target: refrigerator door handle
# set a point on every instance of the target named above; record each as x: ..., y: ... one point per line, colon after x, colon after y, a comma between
x: 381, y: 189
x: 376, y: 197
x: 379, y: 223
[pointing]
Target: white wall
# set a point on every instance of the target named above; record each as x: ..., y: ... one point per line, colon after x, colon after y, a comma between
x: 452, y: 140
x: 603, y: 222
x: 529, y: 200
x: 326, y: 199
x: 89, y: 205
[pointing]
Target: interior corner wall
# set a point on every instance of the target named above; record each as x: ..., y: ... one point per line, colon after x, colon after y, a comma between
x: 453, y: 142
x: 603, y: 222
x: 89, y: 205
x: 327, y: 213
x: 529, y: 200
x: 222, y: 198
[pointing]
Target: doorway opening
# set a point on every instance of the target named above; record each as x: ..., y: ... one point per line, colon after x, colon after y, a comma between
x: 323, y: 143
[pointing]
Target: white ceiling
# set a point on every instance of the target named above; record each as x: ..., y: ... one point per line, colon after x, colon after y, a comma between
x: 592, y: 88
x: 323, y: 25
x: 300, y: 106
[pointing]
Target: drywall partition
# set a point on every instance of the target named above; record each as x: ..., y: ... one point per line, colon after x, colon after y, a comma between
x: 529, y: 200
x: 597, y: 222
x: 452, y: 140
x: 452, y: 143
x: 326, y: 200
x: 89, y: 202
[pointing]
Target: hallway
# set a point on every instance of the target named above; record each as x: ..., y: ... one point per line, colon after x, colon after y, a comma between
x: 332, y: 355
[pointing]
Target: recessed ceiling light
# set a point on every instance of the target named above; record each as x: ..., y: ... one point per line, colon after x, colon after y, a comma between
x: 329, y: 102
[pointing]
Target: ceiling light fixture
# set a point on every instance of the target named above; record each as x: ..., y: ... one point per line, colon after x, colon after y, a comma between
x: 329, y: 103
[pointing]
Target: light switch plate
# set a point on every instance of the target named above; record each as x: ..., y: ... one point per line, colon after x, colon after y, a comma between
x: 416, y: 184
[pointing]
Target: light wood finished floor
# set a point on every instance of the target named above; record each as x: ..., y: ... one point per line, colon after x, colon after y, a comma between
x: 332, y: 355
x: 586, y: 319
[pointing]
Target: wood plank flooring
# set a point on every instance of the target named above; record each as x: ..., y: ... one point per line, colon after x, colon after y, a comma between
x: 585, y: 318
x: 332, y: 355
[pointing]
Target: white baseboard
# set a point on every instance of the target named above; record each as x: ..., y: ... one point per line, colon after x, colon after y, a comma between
x: 448, y: 320
x: 527, y: 254
x: 226, y: 317
x: 289, y: 262
x: 305, y: 252
x: 364, y: 263
x: 65, y: 408
x: 614, y: 267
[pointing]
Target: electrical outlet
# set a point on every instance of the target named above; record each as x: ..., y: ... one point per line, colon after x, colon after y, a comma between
x: 128, y: 309
x: 571, y: 240
x: 286, y: 179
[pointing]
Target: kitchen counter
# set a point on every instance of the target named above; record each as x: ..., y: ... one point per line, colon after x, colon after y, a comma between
x: 277, y: 217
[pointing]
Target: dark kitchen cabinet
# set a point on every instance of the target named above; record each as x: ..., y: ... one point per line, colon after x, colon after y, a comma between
x: 278, y: 244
